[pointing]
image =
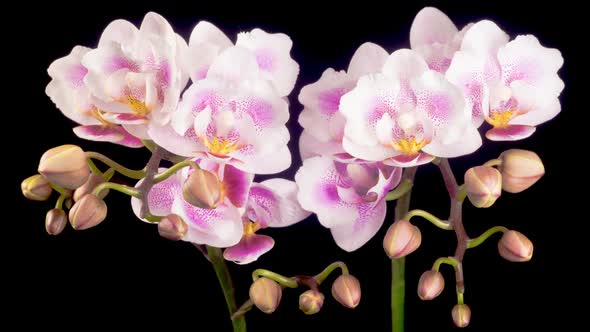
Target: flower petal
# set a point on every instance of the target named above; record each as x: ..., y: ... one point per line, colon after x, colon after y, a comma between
x: 309, y: 146
x: 205, y: 32
x: 272, y: 56
x: 353, y: 235
x: 510, y: 133
x: 404, y: 64
x: 431, y: 26
x: 234, y: 65
x: 237, y: 185
x: 119, y: 31
x: 161, y: 196
x: 113, y: 134
x: 249, y: 249
x: 369, y: 58
x: 290, y: 212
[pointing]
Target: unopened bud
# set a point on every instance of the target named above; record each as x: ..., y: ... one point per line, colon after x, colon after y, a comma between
x: 88, y: 212
x: 36, y: 188
x: 87, y: 188
x: 311, y: 301
x: 266, y: 294
x: 431, y: 284
x: 203, y: 189
x: 55, y: 221
x: 402, y: 239
x: 65, y: 165
x: 346, y: 289
x: 520, y: 169
x: 515, y: 247
x: 484, y: 185
x: 461, y: 315
x: 172, y: 227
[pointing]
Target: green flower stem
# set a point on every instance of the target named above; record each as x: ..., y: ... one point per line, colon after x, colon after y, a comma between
x: 108, y: 175
x: 400, y: 190
x: 280, y: 279
x: 175, y: 168
x: 321, y: 277
x: 134, y: 174
x: 60, y: 200
x: 118, y: 187
x: 247, y: 306
x: 398, y: 282
x: 60, y: 190
x: 93, y: 168
x: 445, y: 260
x: 218, y: 262
x: 430, y: 217
x: 483, y: 237
x: 493, y: 162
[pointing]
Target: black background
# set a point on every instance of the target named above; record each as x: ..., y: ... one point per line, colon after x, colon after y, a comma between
x: 121, y: 274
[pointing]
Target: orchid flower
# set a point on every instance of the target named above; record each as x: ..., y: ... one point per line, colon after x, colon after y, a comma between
x: 436, y: 38
x: 69, y: 92
x: 406, y: 115
x: 245, y: 208
x: 512, y: 85
x: 347, y: 198
x: 321, y: 118
x: 237, y: 113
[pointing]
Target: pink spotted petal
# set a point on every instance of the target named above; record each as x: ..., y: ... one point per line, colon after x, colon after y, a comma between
x: 431, y: 26
x: 510, y: 133
x: 249, y: 249
x: 111, y: 134
x: 366, y: 223
x: 237, y: 185
x: 290, y: 212
x: 220, y: 227
x: 161, y: 197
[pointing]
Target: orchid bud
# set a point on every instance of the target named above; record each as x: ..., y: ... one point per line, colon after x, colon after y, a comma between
x: 484, y: 185
x: 346, y: 289
x: 402, y: 239
x: 461, y: 315
x: 311, y: 301
x: 172, y: 227
x: 515, y: 247
x: 65, y: 165
x: 266, y: 294
x: 55, y: 221
x: 203, y: 189
x: 88, y: 212
x: 87, y: 188
x: 520, y: 169
x: 431, y: 284
x: 36, y: 188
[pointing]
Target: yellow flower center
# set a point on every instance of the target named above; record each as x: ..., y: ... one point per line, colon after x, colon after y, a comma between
x: 139, y: 107
x: 220, y: 147
x: 250, y: 227
x: 97, y: 114
x: 409, y: 147
x: 500, y: 119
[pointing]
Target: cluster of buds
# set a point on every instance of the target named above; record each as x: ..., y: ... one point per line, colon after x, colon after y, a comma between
x: 266, y: 292
x: 65, y: 169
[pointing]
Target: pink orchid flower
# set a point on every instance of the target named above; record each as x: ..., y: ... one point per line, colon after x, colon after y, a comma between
x: 512, y: 85
x: 236, y: 114
x: 71, y: 95
x: 272, y: 203
x: 246, y: 208
x: 347, y: 198
x: 135, y: 74
x: 321, y: 119
x: 434, y: 36
x: 406, y: 115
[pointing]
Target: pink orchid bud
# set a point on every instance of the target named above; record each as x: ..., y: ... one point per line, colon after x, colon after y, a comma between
x: 172, y: 227
x: 431, y: 284
x: 461, y: 315
x: 484, y: 185
x: 402, y: 239
x: 520, y: 169
x: 266, y: 294
x: 311, y: 302
x: 87, y: 188
x: 65, y: 166
x: 203, y: 189
x: 346, y: 289
x: 36, y: 188
x: 88, y: 212
x: 515, y: 247
x: 55, y: 221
